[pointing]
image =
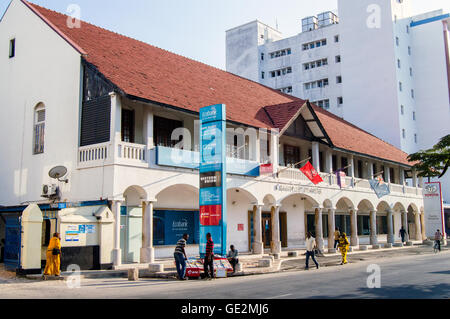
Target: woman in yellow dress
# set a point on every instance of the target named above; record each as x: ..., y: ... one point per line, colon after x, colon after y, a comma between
x: 343, y: 246
x: 53, y: 256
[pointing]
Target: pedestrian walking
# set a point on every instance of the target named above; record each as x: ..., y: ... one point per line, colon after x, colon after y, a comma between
x: 310, y: 244
x: 180, y: 257
x: 232, y: 257
x: 343, y: 247
x: 337, y: 234
x: 53, y: 262
x: 403, y: 234
x: 437, y: 239
x: 209, y: 258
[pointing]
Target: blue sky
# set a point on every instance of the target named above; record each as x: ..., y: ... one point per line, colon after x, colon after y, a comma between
x: 196, y: 28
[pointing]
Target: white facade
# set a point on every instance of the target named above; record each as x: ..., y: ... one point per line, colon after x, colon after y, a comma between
x: 393, y: 70
x: 48, y: 70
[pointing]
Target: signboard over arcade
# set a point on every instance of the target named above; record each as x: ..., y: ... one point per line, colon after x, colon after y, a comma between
x: 212, y: 200
x: 433, y: 208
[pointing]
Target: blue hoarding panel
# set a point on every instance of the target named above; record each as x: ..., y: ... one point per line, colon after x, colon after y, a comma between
x: 211, y: 196
x: 169, y: 227
x: 213, y: 113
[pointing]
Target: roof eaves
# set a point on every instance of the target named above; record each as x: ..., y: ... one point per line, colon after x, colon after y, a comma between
x: 370, y: 156
x: 325, y: 134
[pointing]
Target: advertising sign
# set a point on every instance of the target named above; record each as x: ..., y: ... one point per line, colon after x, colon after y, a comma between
x: 433, y: 208
x: 212, y: 199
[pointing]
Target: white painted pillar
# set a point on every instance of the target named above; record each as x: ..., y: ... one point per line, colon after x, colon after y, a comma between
x: 319, y: 229
x: 331, y: 229
x: 351, y: 169
x: 414, y: 178
x: 417, y: 224
x: 117, y: 252
x: 387, y: 174
x: 147, y: 251
x: 329, y: 162
x: 274, y: 150
x: 315, y: 156
x: 422, y: 225
x: 354, y: 240
x: 373, y: 227
x: 370, y: 171
x: 276, y: 243
x: 420, y: 183
x: 405, y: 220
x: 402, y: 176
x: 148, y: 128
x: 258, y: 247
x: 257, y: 154
x: 116, y: 118
x: 390, y: 225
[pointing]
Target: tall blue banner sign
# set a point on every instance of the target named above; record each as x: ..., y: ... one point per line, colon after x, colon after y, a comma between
x: 213, y: 177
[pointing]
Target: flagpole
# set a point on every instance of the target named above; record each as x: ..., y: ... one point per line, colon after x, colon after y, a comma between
x: 374, y: 175
x: 293, y: 165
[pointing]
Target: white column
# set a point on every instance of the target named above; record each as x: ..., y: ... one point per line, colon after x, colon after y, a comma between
x: 390, y: 225
x: 117, y: 252
x: 405, y: 220
x: 116, y: 118
x: 351, y: 169
x: 370, y: 171
x: 422, y: 225
x: 147, y: 250
x: 418, y: 228
x: 354, y: 240
x: 276, y: 243
x: 274, y: 150
x: 319, y: 230
x: 420, y: 183
x: 373, y: 227
x: 148, y: 128
x: 258, y: 247
x: 315, y: 156
x: 414, y: 178
x: 387, y: 174
x: 402, y: 176
x: 329, y: 162
x: 331, y: 229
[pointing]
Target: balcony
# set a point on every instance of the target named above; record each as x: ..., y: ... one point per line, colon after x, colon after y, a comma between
x: 137, y: 155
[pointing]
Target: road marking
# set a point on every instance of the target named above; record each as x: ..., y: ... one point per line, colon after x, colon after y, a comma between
x: 280, y: 296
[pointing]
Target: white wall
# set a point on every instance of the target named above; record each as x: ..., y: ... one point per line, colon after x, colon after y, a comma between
x: 45, y: 69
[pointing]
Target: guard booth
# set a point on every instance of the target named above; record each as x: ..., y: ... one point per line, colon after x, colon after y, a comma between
x: 12, y: 242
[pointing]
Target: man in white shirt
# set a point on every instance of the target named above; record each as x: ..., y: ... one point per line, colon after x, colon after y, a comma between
x: 310, y: 244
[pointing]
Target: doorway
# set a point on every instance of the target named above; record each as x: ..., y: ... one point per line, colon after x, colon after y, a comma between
x: 283, y: 230
x: 266, y: 224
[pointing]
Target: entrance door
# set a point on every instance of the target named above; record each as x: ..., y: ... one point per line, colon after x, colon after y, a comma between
x: 283, y: 229
x: 12, y: 242
x: 266, y: 224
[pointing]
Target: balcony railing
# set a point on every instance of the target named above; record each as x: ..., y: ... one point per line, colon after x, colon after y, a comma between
x: 138, y: 155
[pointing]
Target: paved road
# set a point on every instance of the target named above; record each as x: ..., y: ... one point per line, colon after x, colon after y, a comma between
x: 411, y: 276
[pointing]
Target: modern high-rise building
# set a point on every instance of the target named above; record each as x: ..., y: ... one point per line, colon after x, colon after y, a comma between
x: 370, y: 62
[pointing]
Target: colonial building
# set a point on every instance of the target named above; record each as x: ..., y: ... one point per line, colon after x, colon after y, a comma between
x: 122, y: 117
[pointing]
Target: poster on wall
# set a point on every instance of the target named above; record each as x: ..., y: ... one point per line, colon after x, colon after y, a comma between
x: 212, y: 199
x: 433, y: 209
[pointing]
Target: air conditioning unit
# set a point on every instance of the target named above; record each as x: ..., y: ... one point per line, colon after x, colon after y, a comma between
x: 49, y: 190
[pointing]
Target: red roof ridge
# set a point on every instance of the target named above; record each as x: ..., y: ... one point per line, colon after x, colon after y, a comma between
x: 37, y: 7
x: 328, y: 113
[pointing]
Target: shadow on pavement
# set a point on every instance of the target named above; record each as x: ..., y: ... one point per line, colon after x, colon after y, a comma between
x: 437, y: 291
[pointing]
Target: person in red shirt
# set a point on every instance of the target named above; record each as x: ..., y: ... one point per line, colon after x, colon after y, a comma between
x: 209, y: 258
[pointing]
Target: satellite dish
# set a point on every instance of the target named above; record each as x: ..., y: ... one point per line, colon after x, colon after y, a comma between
x: 58, y: 172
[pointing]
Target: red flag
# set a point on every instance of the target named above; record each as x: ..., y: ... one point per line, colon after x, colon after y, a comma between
x: 311, y: 173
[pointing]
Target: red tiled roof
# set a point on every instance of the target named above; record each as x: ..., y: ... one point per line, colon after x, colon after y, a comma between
x: 151, y: 73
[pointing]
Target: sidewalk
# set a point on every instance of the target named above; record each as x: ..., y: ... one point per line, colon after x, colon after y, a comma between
x: 249, y: 264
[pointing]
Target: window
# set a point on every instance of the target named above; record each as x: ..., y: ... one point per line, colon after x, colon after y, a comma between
x: 39, y: 128
x: 307, y: 86
x: 395, y: 18
x: 336, y: 38
x: 414, y: 116
x: 403, y: 133
x: 407, y: 29
x: 305, y: 47
x: 415, y: 138
x: 402, y: 109
x: 410, y: 72
x: 128, y: 126
x: 312, y: 45
x: 262, y: 75
x: 162, y: 131
x: 397, y: 41
x: 409, y: 50
x: 400, y: 86
x: 339, y: 79
x: 272, y: 74
x: 399, y: 63
x: 324, y: 42
x: 412, y: 93
x: 338, y: 59
x: 262, y: 56
x: 340, y: 100
x: 12, y: 48
x: 291, y: 155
